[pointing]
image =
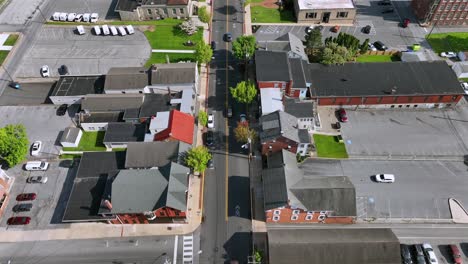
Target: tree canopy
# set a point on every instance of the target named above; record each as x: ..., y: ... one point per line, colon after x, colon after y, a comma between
x: 335, y: 54
x: 14, y: 144
x: 244, y: 47
x: 188, y: 27
x: 242, y: 133
x: 203, y: 52
x: 203, y: 118
x: 244, y: 92
x: 197, y: 158
x: 313, y: 39
x: 203, y: 14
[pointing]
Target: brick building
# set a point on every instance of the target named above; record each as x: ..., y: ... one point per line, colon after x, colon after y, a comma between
x: 135, y: 10
x: 325, y: 11
x: 441, y: 12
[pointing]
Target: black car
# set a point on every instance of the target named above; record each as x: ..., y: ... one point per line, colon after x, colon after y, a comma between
x: 63, y: 70
x: 388, y: 10
x: 405, y: 254
x: 384, y: 2
x: 380, y: 46
x: 62, y: 110
x: 420, y: 259
x: 26, y: 207
x: 366, y: 29
x: 213, y: 45
x: 209, y: 138
x: 210, y: 164
x: 228, y: 37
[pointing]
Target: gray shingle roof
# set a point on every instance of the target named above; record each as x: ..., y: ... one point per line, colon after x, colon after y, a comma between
x: 278, y: 124
x: 298, y: 108
x: 154, y: 103
x: 111, y: 102
x: 124, y: 132
x: 174, y: 73
x: 126, y: 78
x: 272, y: 66
x: 70, y: 134
x: 297, y: 73
x: 151, y: 154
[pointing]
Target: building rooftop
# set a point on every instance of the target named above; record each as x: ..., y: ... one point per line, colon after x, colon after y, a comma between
x: 70, y: 134
x: 151, y: 154
x: 272, y: 66
x: 297, y: 72
x: 276, y: 124
x: 298, y: 108
x: 126, y: 78
x: 124, y: 132
x: 111, y: 102
x: 271, y: 99
x: 325, y: 4
x: 173, y: 73
x: 154, y: 103
x: 78, y: 85
x: 102, y: 117
x: 180, y: 127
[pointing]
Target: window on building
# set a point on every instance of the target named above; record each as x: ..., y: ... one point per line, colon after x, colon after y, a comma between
x: 294, y: 217
x: 436, y: 17
x: 181, y: 11
x: 309, y: 217
x: 311, y: 15
x: 448, y: 7
x: 276, y: 218
x: 296, y: 212
x: 443, y: 16
x: 276, y: 212
x: 149, y: 12
x: 454, y: 7
x: 460, y: 8
x: 165, y: 11
x: 456, y: 15
x: 174, y: 11
x: 450, y: 15
x: 342, y: 14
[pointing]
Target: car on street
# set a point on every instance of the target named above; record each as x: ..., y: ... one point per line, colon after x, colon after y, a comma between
x: 45, y: 71
x: 380, y: 46
x: 429, y: 252
x: 243, y: 118
x: 405, y: 254
x: 37, y: 179
x: 209, y: 138
x: 210, y: 121
x: 405, y: 23
x: 25, y: 207
x: 36, y: 148
x: 384, y: 2
x: 366, y: 29
x: 448, y: 54
x: 419, y: 254
x: 456, y: 254
x: 464, y: 85
x: 335, y: 29
x: 229, y: 111
x: 342, y: 115
x: 213, y: 45
x: 388, y: 11
x: 15, y: 85
x: 371, y: 47
x: 62, y: 110
x: 19, y: 220
x: 385, y: 178
x: 210, y: 164
x: 228, y: 37
x: 26, y: 197
x: 63, y: 70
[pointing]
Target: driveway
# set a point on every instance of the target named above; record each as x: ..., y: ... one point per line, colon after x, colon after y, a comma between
x: 83, y: 54
x: 421, y: 189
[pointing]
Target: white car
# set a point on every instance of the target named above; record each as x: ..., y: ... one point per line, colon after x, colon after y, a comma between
x: 94, y: 18
x: 371, y: 47
x: 36, y: 148
x: 387, y: 178
x: 79, y: 17
x: 448, y: 54
x: 71, y: 17
x: 465, y: 87
x: 45, y: 71
x: 210, y: 121
x: 429, y: 252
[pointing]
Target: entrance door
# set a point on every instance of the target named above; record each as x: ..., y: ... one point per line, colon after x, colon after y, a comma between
x: 326, y: 17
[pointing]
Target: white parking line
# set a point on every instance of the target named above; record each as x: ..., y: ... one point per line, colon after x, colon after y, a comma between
x: 176, y: 241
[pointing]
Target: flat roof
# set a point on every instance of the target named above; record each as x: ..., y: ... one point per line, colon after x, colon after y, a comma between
x: 78, y: 85
x: 325, y: 4
x: 70, y: 134
x: 271, y: 100
x: 124, y: 132
x: 102, y: 117
x: 154, y: 103
x: 125, y: 78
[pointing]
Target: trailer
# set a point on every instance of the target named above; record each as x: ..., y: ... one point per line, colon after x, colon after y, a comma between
x: 122, y: 31
x: 130, y: 29
x: 63, y: 16
x: 56, y: 16
x: 97, y: 30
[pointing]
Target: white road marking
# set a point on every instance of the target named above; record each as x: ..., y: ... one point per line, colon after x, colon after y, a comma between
x: 176, y: 241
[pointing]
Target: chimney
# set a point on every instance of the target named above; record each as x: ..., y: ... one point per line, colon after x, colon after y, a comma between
x: 108, y: 204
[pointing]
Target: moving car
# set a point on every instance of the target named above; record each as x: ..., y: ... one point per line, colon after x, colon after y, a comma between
x: 342, y: 115
x: 429, y: 252
x: 227, y: 37
x: 63, y: 70
x: 25, y: 207
x: 37, y: 179
x: 419, y: 254
x: 448, y: 54
x: 457, y: 258
x: 385, y: 2
x: 366, y: 29
x: 36, y: 148
x: 380, y: 46
x: 209, y: 138
x: 335, y: 29
x: 405, y: 254
x: 36, y: 165
x: 62, y: 110
x: 45, y: 71
x: 210, y: 121
x: 26, y: 197
x: 19, y: 220
x: 385, y: 178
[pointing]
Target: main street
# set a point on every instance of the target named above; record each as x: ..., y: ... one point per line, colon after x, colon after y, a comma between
x: 225, y: 233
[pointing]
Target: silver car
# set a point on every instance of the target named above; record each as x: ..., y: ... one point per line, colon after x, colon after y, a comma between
x: 37, y: 179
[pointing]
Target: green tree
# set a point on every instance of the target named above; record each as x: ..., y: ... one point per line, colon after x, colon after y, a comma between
x: 203, y: 14
x: 197, y: 158
x: 244, y: 47
x: 242, y: 133
x: 364, y: 47
x: 313, y: 39
x: 244, y: 92
x: 203, y: 52
x: 13, y: 144
x: 335, y: 54
x: 203, y: 118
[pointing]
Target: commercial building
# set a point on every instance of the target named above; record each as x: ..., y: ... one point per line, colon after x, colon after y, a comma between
x: 325, y: 11
x: 441, y: 12
x: 135, y: 10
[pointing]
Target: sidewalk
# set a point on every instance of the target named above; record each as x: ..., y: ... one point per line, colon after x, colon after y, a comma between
x: 173, y: 51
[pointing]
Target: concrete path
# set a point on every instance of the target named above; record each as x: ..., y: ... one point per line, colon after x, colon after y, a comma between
x: 172, y: 51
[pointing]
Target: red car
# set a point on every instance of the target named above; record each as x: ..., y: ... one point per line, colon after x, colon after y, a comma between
x: 456, y: 254
x: 26, y: 197
x: 335, y: 29
x: 406, y: 23
x: 342, y: 115
x: 19, y: 220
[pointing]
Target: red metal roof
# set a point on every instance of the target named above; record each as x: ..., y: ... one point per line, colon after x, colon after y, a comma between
x: 180, y: 128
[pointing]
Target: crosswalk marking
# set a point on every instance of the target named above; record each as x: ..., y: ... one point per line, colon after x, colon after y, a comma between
x: 188, y: 249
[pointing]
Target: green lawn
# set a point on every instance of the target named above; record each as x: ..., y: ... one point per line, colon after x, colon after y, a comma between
x: 171, y: 37
x: 329, y: 147
x: 11, y: 40
x: 262, y: 14
x: 3, y: 55
x: 90, y: 141
x: 173, y: 57
x: 464, y: 79
x: 456, y: 41
x: 166, y: 22
x: 256, y: 1
x: 377, y: 58
x: 69, y: 156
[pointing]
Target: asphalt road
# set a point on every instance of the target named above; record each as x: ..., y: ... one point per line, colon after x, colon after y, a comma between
x: 225, y: 232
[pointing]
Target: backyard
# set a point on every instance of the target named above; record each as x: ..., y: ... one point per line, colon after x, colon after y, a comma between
x: 455, y: 41
x: 171, y: 37
x: 160, y: 57
x: 329, y: 147
x: 261, y: 14
x: 377, y: 58
x: 90, y: 141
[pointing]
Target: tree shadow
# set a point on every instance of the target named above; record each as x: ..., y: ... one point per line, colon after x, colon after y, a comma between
x: 239, y: 197
x: 238, y: 247
x: 445, y: 252
x: 65, y: 193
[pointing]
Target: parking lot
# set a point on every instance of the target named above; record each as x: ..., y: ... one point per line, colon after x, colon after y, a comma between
x: 431, y: 133
x: 28, y: 94
x: 421, y: 189
x: 19, y: 11
x: 105, y: 8
x: 83, y: 54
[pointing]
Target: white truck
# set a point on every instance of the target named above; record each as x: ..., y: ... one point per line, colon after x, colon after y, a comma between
x: 122, y: 31
x: 105, y: 30
x: 113, y: 31
x: 97, y: 30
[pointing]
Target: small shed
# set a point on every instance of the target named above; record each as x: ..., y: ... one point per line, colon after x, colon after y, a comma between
x: 71, y: 137
x: 461, y: 69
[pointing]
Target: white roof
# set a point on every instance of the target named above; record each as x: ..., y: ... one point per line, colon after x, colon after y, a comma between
x: 325, y: 4
x: 272, y: 100
x: 187, y: 101
x: 160, y: 121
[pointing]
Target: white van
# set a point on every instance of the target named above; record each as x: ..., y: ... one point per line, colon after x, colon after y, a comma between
x: 122, y: 31
x: 130, y: 29
x: 79, y: 17
x: 36, y: 165
x: 71, y: 17
x: 94, y: 18
x: 86, y: 17
x: 80, y: 30
x: 97, y: 30
x: 114, y: 31
x: 56, y: 16
x: 63, y: 16
x: 105, y: 30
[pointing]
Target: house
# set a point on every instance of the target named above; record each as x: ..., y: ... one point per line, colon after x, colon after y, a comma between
x: 137, y: 10
x: 294, y: 196
x: 71, y: 89
x: 271, y: 100
x: 98, y: 121
x: 145, y: 155
x: 279, y: 130
x: 179, y: 127
x: 105, y: 103
x: 288, y: 43
x: 118, y: 135
x: 173, y: 77
x: 325, y: 11
x: 441, y: 12
x: 122, y: 80
x: 461, y: 69
x: 5, y: 185
x: 71, y: 137
x: 326, y: 245
x: 303, y: 111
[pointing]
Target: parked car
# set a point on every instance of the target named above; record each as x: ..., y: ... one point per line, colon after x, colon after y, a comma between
x: 405, y: 23
x: 45, y: 71
x: 210, y: 164
x: 385, y: 178
x: 130, y: 29
x: 213, y: 45
x: 429, y: 252
x: 419, y: 254
x: 113, y: 30
x: 86, y: 17
x: 94, y: 18
x: 457, y: 258
x: 405, y: 254
x: 36, y: 165
x: 228, y: 37
x: 448, y: 54
x: 37, y: 179
x: 464, y: 85
x: 63, y: 70
x: 97, y: 30
x: 229, y: 111
x: 342, y: 115
x: 335, y: 29
x: 80, y: 30
x: 388, y: 11
x: 380, y: 46
x: 209, y: 138
x: 26, y: 197
x: 384, y: 2
x: 36, y: 148
x: 243, y: 118
x: 79, y: 17
x: 71, y: 17
x: 19, y: 220
x: 25, y: 207
x: 366, y: 29
x: 371, y: 47
x: 122, y: 31
x: 62, y: 110
x: 210, y: 121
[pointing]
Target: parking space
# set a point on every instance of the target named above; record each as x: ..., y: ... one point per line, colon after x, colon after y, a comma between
x: 407, y: 133
x: 83, y: 54
x: 421, y: 189
x: 19, y: 11
x: 105, y: 8
x: 29, y: 94
x: 41, y: 123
